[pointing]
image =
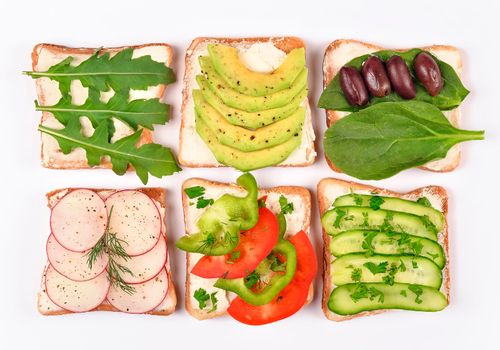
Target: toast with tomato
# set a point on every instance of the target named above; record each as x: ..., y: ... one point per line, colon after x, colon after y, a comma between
x: 263, y: 270
x: 383, y: 249
x: 107, y: 251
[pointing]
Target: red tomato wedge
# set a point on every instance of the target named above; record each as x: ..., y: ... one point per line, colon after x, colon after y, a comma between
x: 291, y: 298
x: 254, y: 245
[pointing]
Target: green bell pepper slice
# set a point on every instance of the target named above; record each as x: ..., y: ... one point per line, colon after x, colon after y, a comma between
x: 220, y: 225
x: 275, y: 285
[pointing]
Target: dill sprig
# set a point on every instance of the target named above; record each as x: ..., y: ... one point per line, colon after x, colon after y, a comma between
x: 112, y: 246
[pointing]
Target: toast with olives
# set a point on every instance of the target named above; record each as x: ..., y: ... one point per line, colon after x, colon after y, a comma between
x: 47, y: 307
x: 193, y: 150
x: 329, y: 189
x: 300, y: 220
x: 43, y: 57
x: 342, y: 51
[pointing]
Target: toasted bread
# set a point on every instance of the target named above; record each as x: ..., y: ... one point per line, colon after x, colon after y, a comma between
x: 329, y: 189
x: 48, y: 308
x: 192, y: 150
x: 301, y: 198
x: 46, y: 55
x: 340, y: 52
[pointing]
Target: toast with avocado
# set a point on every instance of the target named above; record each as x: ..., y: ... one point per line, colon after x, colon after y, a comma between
x: 245, y: 104
x: 383, y: 250
x: 99, y: 107
x: 107, y: 251
x: 407, y: 93
x: 247, y: 250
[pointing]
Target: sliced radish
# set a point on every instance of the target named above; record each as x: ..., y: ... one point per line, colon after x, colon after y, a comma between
x: 147, y: 295
x: 135, y: 220
x: 79, y: 220
x: 73, y: 265
x: 145, y: 266
x: 76, y: 296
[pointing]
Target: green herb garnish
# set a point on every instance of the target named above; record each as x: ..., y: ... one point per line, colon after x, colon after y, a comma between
x: 376, y: 268
x: 194, y: 192
x: 286, y: 207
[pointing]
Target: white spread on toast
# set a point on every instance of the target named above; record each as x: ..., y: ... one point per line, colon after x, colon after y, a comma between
x: 257, y: 57
x: 49, y: 94
x: 295, y: 221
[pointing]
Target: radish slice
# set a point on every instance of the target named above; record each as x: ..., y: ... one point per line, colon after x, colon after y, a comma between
x: 145, y: 266
x: 79, y: 220
x: 73, y: 265
x: 135, y: 220
x: 147, y: 295
x: 76, y: 296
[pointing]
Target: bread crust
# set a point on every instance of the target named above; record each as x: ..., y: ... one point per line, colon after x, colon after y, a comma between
x: 146, y: 136
x: 290, y: 190
x: 332, y: 116
x: 155, y: 193
x: 324, y: 205
x: 285, y: 43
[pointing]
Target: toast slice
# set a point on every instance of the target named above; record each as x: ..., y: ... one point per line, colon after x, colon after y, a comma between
x: 342, y: 51
x: 47, y: 308
x: 192, y: 150
x: 46, y: 55
x: 300, y: 219
x: 329, y: 189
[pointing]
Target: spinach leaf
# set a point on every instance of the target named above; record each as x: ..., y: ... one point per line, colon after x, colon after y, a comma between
x: 148, y: 158
x: 382, y: 140
x: 451, y: 96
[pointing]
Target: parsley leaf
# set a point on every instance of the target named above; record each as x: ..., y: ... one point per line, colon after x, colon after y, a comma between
x: 276, y: 264
x: 386, y: 225
x: 418, y: 292
x: 414, y: 264
x: 376, y: 268
x: 202, y: 297
x: 428, y: 224
x: 358, y: 200
x: 376, y: 202
x: 286, y: 207
x: 424, y: 201
x: 204, y: 202
x: 367, y: 242
x: 213, y: 300
x: 340, y: 214
x: 356, y: 275
x: 363, y: 292
x: 195, y: 191
x: 252, y: 279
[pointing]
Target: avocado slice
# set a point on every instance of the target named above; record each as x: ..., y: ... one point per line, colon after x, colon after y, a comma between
x: 248, y: 103
x: 246, y: 161
x: 227, y: 63
x: 243, y: 139
x: 250, y: 120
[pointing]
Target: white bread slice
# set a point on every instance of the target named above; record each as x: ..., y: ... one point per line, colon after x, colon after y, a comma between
x: 342, y: 51
x: 47, y: 308
x: 192, y: 150
x: 300, y: 219
x: 329, y: 189
x: 46, y: 55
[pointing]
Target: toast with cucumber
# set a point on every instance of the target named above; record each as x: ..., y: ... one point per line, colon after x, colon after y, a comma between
x: 245, y: 104
x: 248, y: 254
x: 402, y: 105
x: 107, y: 251
x: 383, y: 250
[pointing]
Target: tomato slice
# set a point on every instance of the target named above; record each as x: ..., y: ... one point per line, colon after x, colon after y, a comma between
x: 254, y: 245
x: 291, y: 298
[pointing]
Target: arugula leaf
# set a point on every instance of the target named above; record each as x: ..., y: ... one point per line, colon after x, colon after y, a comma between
x: 417, y: 290
x: 121, y: 72
x: 376, y: 268
x: 452, y: 94
x: 135, y: 113
x: 286, y: 207
x: 149, y: 158
x: 385, y: 139
x: 204, y: 202
x: 195, y: 191
x: 375, y: 202
x: 202, y: 297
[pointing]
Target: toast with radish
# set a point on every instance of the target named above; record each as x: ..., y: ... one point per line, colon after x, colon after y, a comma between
x: 107, y: 251
x: 283, y: 216
x: 383, y: 249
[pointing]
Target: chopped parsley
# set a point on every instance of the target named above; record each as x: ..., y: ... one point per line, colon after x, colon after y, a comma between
x: 286, y: 207
x: 363, y: 292
x: 428, y: 224
x: 416, y: 247
x: 204, y: 202
x: 276, y: 264
x: 202, y: 297
x: 389, y: 278
x: 376, y: 202
x: 417, y: 290
x: 356, y: 275
x: 433, y: 256
x: 403, y: 293
x: 424, y: 201
x: 386, y: 225
x: 340, y: 214
x: 367, y: 242
x: 365, y: 219
x: 358, y: 200
x: 376, y: 268
x: 195, y: 191
x: 414, y: 264
x: 252, y: 279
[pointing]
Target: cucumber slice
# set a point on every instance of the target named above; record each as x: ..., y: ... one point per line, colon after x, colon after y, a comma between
x: 387, y: 269
x: 386, y: 243
x: 351, y: 299
x: 394, y: 204
x: 341, y: 219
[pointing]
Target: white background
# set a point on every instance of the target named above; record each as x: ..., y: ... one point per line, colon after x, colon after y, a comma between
x: 472, y: 318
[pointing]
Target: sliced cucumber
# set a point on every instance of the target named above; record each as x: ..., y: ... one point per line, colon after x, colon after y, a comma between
x: 341, y: 219
x: 388, y: 269
x: 386, y: 243
x: 394, y: 204
x: 351, y: 299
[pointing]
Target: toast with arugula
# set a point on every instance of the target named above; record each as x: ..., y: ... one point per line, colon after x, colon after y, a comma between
x: 383, y: 249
